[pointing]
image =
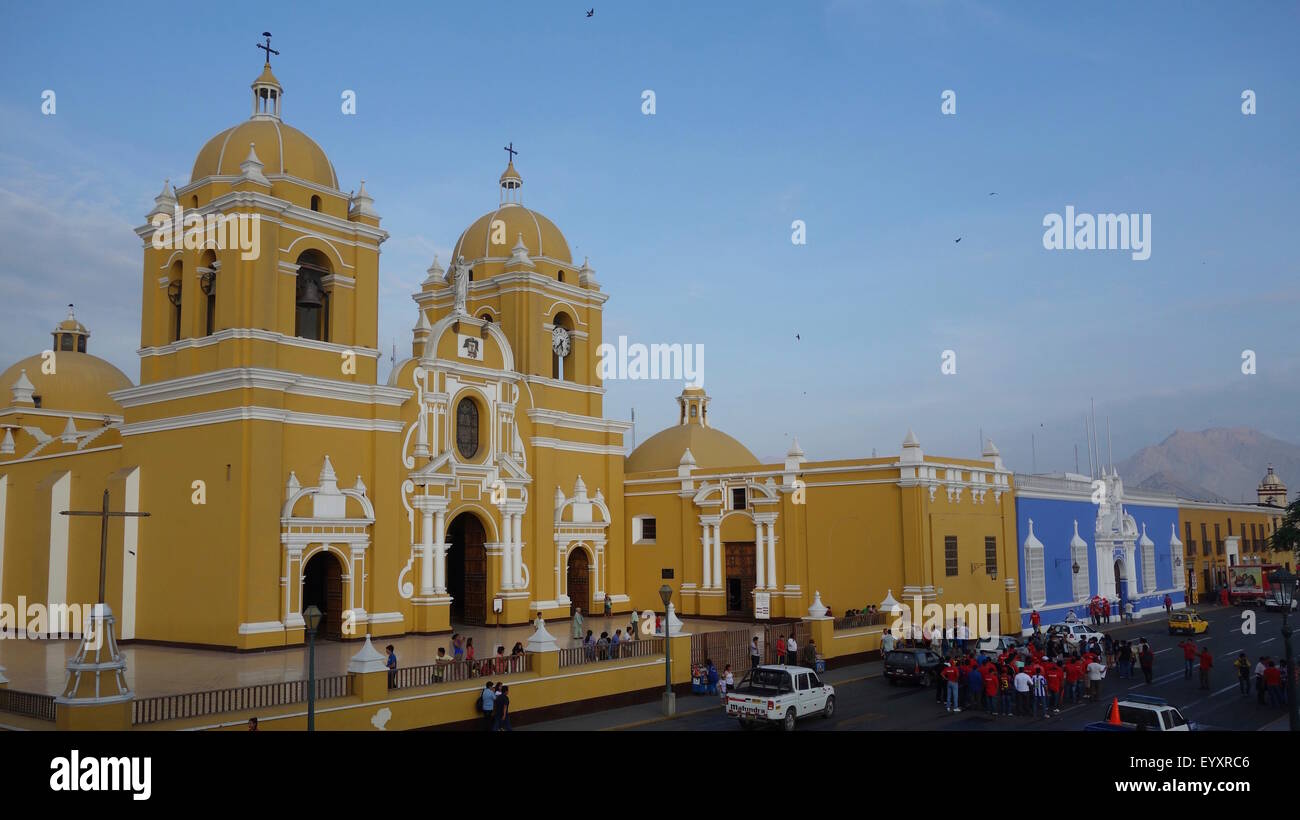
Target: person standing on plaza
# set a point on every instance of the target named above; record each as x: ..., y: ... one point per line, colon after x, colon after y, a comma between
x: 950, y: 676
x: 990, y: 676
x: 1095, y: 672
x: 1188, y: 645
x: 633, y: 629
x: 726, y: 682
x: 469, y: 649
x: 791, y: 650
x: 391, y: 663
x: 486, y: 698
x: 1273, y: 683
x: 1207, y: 663
x: 779, y: 647
x: 1005, y: 690
x: 575, y: 624
x: 501, y: 711
x: 1242, y: 665
x: 1038, y: 686
x: 1169, y: 605
x: 1022, y: 683
x: 1128, y: 611
x: 1260, y: 689
x: 755, y: 653
x: 457, y: 647
x: 975, y: 686
x: 1146, y: 659
x: 1034, y: 620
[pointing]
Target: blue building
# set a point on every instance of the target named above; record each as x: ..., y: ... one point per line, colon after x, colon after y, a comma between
x: 1081, y: 537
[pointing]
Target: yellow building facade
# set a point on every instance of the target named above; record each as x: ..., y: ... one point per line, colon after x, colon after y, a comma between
x: 480, y: 484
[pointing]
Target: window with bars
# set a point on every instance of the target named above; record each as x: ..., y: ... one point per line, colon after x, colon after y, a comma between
x: 950, y: 555
x: 1035, y: 576
x: 739, y: 496
x: 467, y: 428
x: 1190, y: 546
x: 1218, y: 540
x: 1205, y: 541
x: 1149, y: 568
x: 991, y: 554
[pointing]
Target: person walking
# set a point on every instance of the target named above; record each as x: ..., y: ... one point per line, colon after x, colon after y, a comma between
x: 1260, y: 689
x: 1128, y: 611
x: 1169, y: 605
x: 1207, y: 663
x: 779, y: 646
x: 1035, y: 619
x: 486, y: 701
x: 575, y: 624
x: 1095, y: 671
x: 391, y: 663
x: 887, y: 642
x: 1188, y: 645
x: 1242, y: 665
x: 501, y: 711
x: 791, y: 650
x: 755, y: 653
x: 1146, y: 659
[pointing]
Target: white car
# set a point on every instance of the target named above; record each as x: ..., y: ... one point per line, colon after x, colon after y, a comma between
x: 1075, y: 631
x: 781, y: 695
x: 1271, y: 603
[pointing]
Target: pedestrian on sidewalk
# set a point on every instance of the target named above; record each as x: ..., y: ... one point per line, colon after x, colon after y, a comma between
x: 990, y: 677
x: 780, y: 650
x: 391, y: 663
x: 1273, y: 684
x: 1207, y: 663
x: 1260, y: 688
x: 725, y: 682
x: 575, y: 624
x: 1095, y: 672
x: 1128, y: 611
x: 1242, y: 665
x: 791, y: 650
x: 755, y: 653
x: 887, y: 642
x: 1005, y: 690
x: 609, y: 605
x: 1022, y: 683
x: 457, y: 647
x: 486, y: 699
x: 1169, y: 605
x: 1039, y: 688
x: 1146, y: 659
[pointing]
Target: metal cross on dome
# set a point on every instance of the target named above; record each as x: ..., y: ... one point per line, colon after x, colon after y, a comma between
x: 510, y: 149
x: 267, y: 48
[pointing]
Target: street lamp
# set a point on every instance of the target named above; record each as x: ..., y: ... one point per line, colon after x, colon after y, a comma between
x: 1284, y: 592
x: 313, y: 616
x: 670, y: 700
x: 993, y: 573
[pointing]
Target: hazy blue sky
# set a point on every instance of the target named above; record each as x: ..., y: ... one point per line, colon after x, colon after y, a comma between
x: 767, y: 112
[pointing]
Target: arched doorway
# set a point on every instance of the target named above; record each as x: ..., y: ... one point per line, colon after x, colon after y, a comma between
x: 1121, y: 584
x: 322, y: 585
x: 467, y: 569
x: 579, y: 579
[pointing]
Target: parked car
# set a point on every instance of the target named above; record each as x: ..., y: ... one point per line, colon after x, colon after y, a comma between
x: 779, y: 695
x: 1272, y: 603
x: 1140, y: 713
x: 912, y: 665
x: 1187, y: 622
x: 997, y: 644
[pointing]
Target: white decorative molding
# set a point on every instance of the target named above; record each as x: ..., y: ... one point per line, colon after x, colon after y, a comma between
x: 260, y: 414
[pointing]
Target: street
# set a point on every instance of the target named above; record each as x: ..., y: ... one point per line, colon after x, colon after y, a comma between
x: 872, y: 704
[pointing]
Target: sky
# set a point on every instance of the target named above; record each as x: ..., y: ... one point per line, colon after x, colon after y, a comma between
x: 765, y: 113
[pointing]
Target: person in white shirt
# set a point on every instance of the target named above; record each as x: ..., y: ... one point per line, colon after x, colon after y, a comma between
x: 1021, y: 684
x: 887, y: 642
x: 727, y: 681
x: 791, y: 651
x: 1095, y: 673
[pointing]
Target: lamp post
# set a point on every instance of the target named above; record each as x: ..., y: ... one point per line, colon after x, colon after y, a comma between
x: 670, y: 700
x: 313, y: 616
x: 1284, y: 592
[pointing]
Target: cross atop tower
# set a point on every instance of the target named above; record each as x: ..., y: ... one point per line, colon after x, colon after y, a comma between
x: 267, y: 48
x: 510, y: 149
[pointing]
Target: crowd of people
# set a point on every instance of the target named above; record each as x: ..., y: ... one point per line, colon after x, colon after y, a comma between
x: 1034, y: 680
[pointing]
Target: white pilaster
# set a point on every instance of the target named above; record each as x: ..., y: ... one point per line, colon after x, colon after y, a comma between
x: 717, y: 555
x: 771, y: 554
x: 440, y: 554
x: 708, y: 560
x: 517, y: 558
x: 426, y: 552
x: 760, y: 564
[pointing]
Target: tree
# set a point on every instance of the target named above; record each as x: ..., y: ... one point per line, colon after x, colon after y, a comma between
x: 1287, y: 536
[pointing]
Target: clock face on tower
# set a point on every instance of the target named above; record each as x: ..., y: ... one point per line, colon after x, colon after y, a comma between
x: 560, y: 342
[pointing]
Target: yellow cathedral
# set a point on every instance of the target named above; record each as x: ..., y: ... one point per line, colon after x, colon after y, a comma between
x: 278, y: 473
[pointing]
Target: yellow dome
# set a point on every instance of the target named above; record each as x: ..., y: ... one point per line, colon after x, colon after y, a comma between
x: 282, y: 149
x: 541, y: 237
x: 81, y: 383
x: 711, y: 449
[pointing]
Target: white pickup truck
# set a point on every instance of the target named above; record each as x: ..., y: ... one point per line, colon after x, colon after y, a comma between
x: 779, y: 694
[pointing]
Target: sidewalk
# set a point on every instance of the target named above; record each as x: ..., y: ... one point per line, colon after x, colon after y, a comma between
x: 629, y: 717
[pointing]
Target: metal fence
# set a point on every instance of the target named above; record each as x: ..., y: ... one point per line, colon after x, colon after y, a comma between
x: 430, y: 674
x: 217, y: 701
x: 729, y: 646
x: 27, y: 704
x: 580, y: 655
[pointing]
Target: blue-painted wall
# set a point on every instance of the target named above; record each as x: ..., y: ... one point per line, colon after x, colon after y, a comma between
x: 1054, y: 526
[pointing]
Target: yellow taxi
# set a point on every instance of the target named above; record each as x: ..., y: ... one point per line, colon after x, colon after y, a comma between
x: 1187, y: 622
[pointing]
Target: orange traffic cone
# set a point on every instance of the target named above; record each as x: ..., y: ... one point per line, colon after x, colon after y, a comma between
x: 1113, y: 719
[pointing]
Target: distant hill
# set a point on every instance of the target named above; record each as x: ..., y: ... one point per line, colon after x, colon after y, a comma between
x: 1221, y: 463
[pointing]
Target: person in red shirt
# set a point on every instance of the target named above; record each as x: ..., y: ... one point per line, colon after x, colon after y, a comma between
x: 1053, y: 675
x: 1273, y: 683
x: 1207, y: 663
x: 1188, y: 646
x: 951, y: 675
x: 1105, y: 610
x: 1073, y: 673
x: 1035, y: 619
x: 990, y: 674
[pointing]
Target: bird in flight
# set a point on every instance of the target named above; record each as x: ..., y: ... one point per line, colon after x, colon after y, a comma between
x: 796, y: 337
x: 958, y: 239
x: 591, y: 12
x: 993, y: 193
